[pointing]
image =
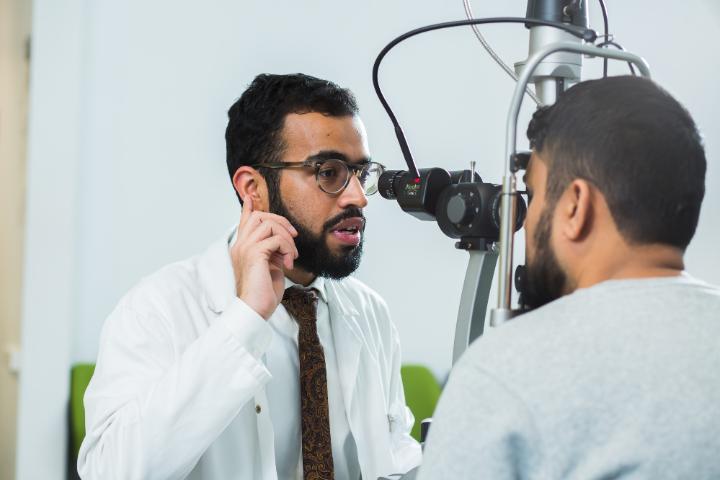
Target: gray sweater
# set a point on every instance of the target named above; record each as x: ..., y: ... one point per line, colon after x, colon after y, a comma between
x: 620, y: 380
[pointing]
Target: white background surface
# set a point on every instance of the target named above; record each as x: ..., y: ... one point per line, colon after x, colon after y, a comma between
x: 127, y: 157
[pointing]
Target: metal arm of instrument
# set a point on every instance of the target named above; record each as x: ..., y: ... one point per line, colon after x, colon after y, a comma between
x: 474, y: 300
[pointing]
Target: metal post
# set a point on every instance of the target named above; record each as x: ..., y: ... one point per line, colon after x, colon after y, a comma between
x: 474, y: 299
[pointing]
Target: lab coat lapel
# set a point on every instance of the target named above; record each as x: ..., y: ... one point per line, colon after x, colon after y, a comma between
x: 347, y: 337
x: 361, y: 385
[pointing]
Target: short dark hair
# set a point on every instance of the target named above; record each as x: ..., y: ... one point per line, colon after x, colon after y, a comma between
x: 637, y: 145
x: 256, y: 119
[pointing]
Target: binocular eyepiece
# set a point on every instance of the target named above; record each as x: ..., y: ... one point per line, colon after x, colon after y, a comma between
x: 461, y: 203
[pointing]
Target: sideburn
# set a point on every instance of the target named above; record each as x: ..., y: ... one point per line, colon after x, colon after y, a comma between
x: 546, y: 279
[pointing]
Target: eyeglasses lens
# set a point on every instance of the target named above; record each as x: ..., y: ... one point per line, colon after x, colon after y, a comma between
x: 370, y: 177
x: 333, y: 176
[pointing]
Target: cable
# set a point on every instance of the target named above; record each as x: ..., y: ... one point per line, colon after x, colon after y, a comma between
x: 585, y: 34
x: 607, y: 35
x: 495, y: 56
x: 619, y: 47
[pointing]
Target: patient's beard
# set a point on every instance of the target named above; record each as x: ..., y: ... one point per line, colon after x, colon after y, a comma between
x: 546, y: 280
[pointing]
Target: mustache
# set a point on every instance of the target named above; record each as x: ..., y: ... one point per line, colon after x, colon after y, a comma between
x: 351, y: 212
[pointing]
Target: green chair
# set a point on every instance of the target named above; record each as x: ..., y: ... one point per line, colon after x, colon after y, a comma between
x: 80, y: 376
x: 422, y: 392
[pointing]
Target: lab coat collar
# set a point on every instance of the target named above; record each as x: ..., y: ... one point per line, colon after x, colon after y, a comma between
x: 216, y: 274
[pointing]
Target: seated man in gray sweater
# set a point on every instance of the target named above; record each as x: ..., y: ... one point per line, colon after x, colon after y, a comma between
x: 616, y: 374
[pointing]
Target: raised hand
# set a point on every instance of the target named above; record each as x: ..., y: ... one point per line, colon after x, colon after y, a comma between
x: 264, y: 246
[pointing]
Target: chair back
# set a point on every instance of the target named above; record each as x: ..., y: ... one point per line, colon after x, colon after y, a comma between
x: 80, y: 376
x: 422, y: 392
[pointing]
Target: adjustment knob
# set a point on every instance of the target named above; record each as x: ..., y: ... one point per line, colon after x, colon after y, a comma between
x: 460, y: 210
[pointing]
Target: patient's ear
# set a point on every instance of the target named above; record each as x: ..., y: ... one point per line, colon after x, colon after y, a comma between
x: 249, y: 183
x: 575, y: 210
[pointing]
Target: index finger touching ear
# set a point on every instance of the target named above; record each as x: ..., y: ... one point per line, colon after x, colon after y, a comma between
x: 246, y: 211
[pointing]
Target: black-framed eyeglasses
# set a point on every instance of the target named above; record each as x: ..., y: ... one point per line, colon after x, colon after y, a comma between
x: 333, y: 175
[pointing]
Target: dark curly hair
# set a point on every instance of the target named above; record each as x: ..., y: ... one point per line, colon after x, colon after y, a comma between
x: 256, y: 119
x: 637, y: 145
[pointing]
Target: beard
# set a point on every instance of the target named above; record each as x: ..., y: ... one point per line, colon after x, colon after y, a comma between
x: 314, y: 254
x: 546, y: 280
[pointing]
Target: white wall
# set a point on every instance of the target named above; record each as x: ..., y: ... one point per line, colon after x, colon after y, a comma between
x: 127, y: 168
x: 49, y: 299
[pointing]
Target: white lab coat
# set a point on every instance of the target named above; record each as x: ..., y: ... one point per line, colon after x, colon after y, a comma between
x: 177, y: 392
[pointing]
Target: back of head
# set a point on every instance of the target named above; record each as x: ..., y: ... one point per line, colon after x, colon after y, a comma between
x: 256, y: 119
x: 637, y: 145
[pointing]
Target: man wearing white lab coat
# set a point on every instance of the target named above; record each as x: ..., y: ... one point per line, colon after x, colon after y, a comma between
x: 197, y: 373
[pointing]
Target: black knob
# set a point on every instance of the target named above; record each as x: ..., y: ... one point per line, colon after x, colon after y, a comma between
x: 459, y: 210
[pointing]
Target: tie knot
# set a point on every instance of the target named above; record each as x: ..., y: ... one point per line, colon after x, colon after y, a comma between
x: 301, y: 303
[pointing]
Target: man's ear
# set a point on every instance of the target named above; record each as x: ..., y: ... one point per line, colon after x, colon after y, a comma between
x: 249, y: 183
x: 575, y: 210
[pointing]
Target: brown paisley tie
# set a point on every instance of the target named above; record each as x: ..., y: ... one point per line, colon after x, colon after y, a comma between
x: 301, y: 304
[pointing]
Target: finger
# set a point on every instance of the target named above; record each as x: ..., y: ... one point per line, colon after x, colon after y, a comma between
x: 278, y: 260
x: 248, y: 220
x: 246, y: 212
x: 284, y: 222
x: 279, y: 245
x: 257, y: 228
x: 260, y: 217
x: 269, y: 229
x: 279, y: 257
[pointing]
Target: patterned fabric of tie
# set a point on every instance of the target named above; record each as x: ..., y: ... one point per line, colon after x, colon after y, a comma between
x: 301, y: 304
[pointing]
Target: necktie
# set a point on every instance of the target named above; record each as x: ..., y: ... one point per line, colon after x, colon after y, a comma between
x: 301, y: 304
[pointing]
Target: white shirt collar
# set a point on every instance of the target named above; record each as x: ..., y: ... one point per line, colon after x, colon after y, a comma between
x: 318, y: 284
